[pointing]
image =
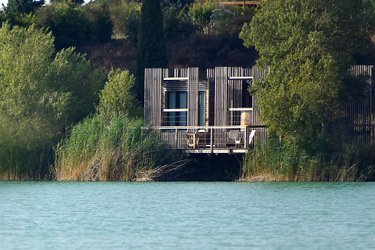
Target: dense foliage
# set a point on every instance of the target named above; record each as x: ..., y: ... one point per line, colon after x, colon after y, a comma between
x: 20, y: 12
x: 73, y: 25
x: 309, y: 45
x: 41, y: 93
x: 201, y: 12
x: 125, y: 16
x: 23, y: 6
x: 151, y: 43
x: 118, y: 96
x: 177, y: 21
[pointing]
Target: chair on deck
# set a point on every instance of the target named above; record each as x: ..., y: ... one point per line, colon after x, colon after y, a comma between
x: 235, y: 139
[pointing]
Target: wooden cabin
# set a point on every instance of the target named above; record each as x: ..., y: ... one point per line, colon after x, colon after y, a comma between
x: 360, y: 111
x: 213, y: 111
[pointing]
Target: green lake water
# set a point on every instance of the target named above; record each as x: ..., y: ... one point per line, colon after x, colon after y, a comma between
x: 52, y: 215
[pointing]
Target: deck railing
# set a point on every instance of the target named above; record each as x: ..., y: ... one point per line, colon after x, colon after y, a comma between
x: 365, y: 134
x: 212, y: 137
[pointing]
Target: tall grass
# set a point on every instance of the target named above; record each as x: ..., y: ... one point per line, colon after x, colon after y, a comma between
x: 100, y: 150
x: 25, y: 149
x: 274, y: 161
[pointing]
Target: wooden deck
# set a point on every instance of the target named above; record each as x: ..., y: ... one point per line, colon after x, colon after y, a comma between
x: 212, y: 139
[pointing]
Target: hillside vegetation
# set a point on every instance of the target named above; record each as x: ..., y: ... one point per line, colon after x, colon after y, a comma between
x: 71, y: 82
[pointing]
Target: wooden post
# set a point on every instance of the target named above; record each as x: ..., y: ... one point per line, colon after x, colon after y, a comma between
x: 176, y: 138
x: 211, y: 140
x: 246, y: 140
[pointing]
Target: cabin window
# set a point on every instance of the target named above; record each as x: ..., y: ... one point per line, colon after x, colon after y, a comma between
x: 202, y: 108
x: 176, y: 108
x: 246, y: 97
x: 242, y: 105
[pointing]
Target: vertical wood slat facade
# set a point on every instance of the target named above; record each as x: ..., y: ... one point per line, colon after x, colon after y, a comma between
x: 153, y: 96
x: 359, y: 117
x: 227, y: 93
x: 360, y: 110
x: 221, y: 96
x: 210, y: 79
x: 193, y: 92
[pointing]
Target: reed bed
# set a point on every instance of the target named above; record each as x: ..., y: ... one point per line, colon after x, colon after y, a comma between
x: 273, y: 161
x: 102, y: 150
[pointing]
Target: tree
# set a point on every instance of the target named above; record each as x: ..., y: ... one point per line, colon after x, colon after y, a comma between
x: 2, y: 16
x: 75, y: 25
x: 118, y: 96
x: 23, y: 6
x: 100, y: 22
x: 41, y: 94
x: 201, y: 12
x: 125, y: 16
x: 20, y: 12
x: 67, y: 22
x: 151, y: 42
x: 309, y: 46
x: 177, y: 21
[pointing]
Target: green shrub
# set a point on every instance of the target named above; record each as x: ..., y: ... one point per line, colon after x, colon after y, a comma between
x: 75, y: 25
x: 125, y: 16
x: 118, y: 96
x: 229, y: 20
x: 100, y: 22
x: 177, y: 21
x: 201, y: 12
x: 68, y: 23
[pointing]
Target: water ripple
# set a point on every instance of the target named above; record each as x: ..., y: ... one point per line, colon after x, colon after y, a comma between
x: 52, y: 215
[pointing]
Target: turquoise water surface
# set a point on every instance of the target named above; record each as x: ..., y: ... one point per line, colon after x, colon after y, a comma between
x: 52, y: 215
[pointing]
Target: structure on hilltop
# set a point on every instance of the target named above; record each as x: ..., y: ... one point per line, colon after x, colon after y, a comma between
x: 241, y: 3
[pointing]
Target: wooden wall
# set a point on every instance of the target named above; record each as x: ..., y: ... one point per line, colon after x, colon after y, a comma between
x: 360, y: 110
x: 222, y: 93
x: 153, y: 96
x: 154, y: 93
x: 210, y: 79
x: 221, y: 96
x: 359, y: 118
x: 193, y: 92
x: 228, y: 93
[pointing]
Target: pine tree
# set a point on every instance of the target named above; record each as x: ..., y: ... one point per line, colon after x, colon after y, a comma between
x: 23, y: 6
x: 151, y: 42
